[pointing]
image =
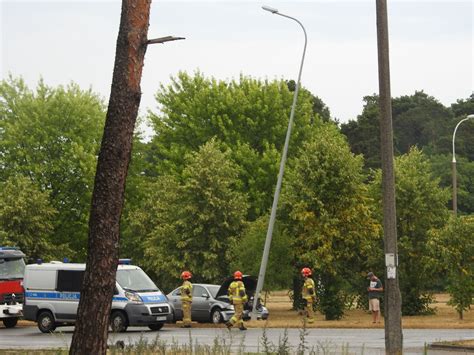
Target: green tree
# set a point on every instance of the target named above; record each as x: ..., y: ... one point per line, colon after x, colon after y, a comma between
x: 26, y: 219
x: 364, y: 134
x: 191, y: 221
x: 452, y: 250
x: 329, y: 216
x: 418, y: 120
x: 52, y: 135
x: 319, y: 107
x: 247, y: 254
x: 463, y: 107
x: 248, y: 116
x: 442, y: 168
x: 421, y: 206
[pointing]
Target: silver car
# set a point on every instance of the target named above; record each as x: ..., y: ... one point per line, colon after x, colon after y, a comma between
x: 211, y: 303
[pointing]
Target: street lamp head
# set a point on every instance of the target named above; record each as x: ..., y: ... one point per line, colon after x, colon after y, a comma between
x: 270, y: 9
x: 470, y: 116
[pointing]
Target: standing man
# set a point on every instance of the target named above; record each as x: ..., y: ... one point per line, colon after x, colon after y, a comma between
x: 186, y: 298
x: 375, y: 293
x: 237, y: 297
x: 308, y: 293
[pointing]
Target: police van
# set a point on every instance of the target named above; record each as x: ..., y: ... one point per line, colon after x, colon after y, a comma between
x: 52, y: 292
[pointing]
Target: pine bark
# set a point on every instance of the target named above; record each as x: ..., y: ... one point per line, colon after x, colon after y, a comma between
x: 91, y: 331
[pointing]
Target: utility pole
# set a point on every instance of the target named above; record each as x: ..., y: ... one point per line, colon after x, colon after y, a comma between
x: 393, y: 316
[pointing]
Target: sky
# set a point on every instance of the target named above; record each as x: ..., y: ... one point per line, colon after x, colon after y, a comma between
x: 431, y: 45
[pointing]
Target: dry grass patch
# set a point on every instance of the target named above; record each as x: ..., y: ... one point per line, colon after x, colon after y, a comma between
x: 469, y: 343
x: 282, y: 316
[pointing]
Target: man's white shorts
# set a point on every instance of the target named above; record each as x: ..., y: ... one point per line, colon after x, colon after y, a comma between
x: 374, y: 304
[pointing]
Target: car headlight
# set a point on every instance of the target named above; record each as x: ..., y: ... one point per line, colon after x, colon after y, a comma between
x: 133, y: 297
x: 229, y: 308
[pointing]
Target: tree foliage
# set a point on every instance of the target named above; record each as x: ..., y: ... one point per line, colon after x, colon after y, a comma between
x: 422, y: 121
x: 249, y: 116
x: 26, y: 218
x: 51, y: 135
x: 247, y: 254
x: 452, y: 251
x: 192, y: 220
x: 421, y: 206
x: 329, y: 216
x: 418, y: 120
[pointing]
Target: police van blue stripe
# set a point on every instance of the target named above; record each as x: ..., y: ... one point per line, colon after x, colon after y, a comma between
x: 63, y: 296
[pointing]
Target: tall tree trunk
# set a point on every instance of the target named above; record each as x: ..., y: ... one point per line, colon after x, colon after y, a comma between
x: 90, y: 335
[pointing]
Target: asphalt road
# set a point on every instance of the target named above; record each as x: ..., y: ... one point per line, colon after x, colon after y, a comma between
x: 327, y: 341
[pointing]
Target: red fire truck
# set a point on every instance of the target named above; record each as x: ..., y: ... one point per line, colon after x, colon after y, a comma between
x: 12, y: 268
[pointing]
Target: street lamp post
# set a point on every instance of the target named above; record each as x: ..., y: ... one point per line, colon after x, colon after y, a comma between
x: 271, y: 223
x: 455, y: 195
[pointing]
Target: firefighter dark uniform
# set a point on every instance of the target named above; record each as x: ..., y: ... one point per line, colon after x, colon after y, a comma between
x: 308, y: 293
x: 237, y: 297
x: 186, y: 298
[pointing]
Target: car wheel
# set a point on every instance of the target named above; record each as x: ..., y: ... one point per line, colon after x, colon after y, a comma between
x: 216, y: 316
x: 156, y: 326
x: 46, y: 322
x: 173, y: 317
x: 10, y: 322
x: 118, y: 322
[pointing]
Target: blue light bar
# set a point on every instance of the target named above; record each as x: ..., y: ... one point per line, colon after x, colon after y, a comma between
x: 125, y: 261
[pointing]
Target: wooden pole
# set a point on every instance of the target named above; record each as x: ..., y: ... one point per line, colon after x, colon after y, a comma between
x: 393, y: 324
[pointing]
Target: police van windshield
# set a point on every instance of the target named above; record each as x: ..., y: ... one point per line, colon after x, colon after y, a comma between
x: 135, y: 280
x: 12, y: 269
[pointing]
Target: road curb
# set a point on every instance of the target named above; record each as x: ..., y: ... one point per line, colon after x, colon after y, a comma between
x: 443, y: 346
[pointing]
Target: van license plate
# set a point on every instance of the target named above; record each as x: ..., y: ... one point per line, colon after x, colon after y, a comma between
x: 160, y: 318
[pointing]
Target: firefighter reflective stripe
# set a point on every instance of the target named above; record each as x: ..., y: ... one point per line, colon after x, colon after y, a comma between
x: 237, y: 293
x: 187, y: 291
x: 309, y: 289
x: 237, y: 317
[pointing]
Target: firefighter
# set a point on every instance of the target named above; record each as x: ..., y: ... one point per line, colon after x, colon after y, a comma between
x: 186, y: 298
x: 237, y: 297
x: 308, y: 293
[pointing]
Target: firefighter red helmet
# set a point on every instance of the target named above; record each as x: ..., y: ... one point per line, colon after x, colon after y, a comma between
x: 306, y: 271
x: 238, y: 275
x: 186, y: 275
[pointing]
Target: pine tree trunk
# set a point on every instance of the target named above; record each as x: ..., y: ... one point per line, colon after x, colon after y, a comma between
x: 90, y: 335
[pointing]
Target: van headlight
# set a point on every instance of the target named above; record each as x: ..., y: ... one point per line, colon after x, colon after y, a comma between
x: 133, y: 297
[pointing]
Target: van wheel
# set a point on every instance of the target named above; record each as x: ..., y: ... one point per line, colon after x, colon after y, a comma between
x: 216, y: 316
x: 46, y: 322
x: 10, y: 322
x: 118, y: 322
x: 155, y: 327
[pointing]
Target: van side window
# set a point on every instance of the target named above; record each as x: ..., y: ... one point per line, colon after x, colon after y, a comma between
x: 69, y: 280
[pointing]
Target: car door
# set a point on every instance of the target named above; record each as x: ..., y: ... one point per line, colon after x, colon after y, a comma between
x: 68, y: 286
x: 200, y: 306
x: 175, y: 300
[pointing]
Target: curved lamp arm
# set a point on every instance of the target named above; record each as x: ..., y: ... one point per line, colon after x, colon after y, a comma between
x: 454, y: 134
